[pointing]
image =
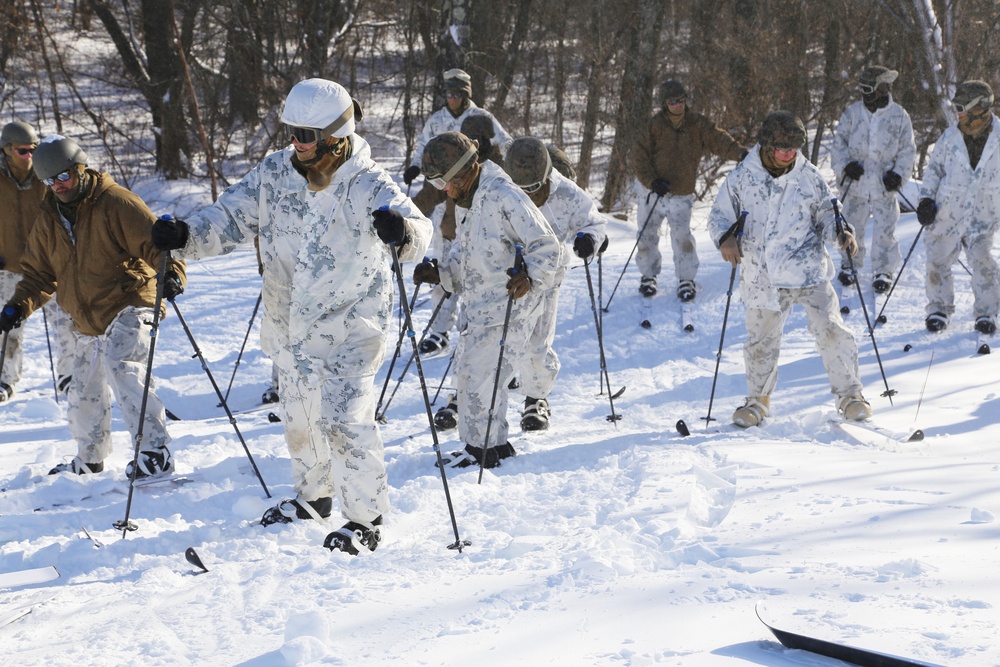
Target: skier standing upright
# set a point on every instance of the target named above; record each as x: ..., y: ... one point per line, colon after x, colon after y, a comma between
x: 960, y: 207
x: 873, y: 153
x: 326, y: 215
x: 665, y: 161
x: 785, y: 262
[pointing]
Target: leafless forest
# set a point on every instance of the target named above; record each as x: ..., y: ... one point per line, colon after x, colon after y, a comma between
x: 192, y: 88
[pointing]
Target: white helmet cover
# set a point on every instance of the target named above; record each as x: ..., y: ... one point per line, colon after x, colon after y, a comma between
x: 320, y: 104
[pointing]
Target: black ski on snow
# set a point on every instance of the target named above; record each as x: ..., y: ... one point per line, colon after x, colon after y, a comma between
x: 855, y: 656
x: 687, y: 323
x: 983, y: 344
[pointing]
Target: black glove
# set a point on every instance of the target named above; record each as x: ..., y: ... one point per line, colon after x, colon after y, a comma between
x: 389, y: 226
x: 172, y: 287
x: 604, y: 246
x: 926, y: 211
x: 169, y: 234
x: 583, y: 246
x: 10, y: 317
x: 660, y: 186
x: 427, y: 272
x: 854, y: 170
x: 891, y: 180
x: 411, y: 173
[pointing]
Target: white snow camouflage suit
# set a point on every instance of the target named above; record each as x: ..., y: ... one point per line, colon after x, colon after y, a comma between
x: 880, y: 142
x: 439, y: 122
x: 785, y: 262
x: 500, y: 217
x: 968, y: 203
x: 569, y: 210
x: 328, y: 298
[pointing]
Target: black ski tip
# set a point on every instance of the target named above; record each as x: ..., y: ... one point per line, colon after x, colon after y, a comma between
x: 881, y: 319
x: 689, y: 328
x: 916, y: 436
x: 618, y: 393
x: 171, y: 416
x: 273, y: 418
x: 645, y: 324
x: 907, y: 347
x: 983, y: 349
x: 682, y: 428
x: 192, y: 557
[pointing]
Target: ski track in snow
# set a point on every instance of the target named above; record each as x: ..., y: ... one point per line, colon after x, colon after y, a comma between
x: 599, y: 544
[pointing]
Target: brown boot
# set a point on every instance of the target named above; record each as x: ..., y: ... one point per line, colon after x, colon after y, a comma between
x: 752, y: 412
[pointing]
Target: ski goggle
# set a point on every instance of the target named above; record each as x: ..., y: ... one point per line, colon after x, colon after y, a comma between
x: 25, y: 152
x: 677, y: 100
x: 533, y: 188
x: 961, y: 107
x: 304, y: 135
x: 61, y: 178
x: 440, y: 181
x: 309, y: 135
x: 867, y: 89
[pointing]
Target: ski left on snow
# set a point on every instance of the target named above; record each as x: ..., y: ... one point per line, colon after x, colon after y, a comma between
x: 853, y: 655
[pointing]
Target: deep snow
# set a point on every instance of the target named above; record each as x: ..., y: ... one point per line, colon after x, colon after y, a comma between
x: 599, y: 544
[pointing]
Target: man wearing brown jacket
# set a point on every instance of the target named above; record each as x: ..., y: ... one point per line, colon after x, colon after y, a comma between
x: 20, y: 194
x: 92, y: 239
x: 665, y: 162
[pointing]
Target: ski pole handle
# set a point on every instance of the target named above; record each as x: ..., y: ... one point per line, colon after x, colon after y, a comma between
x: 837, y: 217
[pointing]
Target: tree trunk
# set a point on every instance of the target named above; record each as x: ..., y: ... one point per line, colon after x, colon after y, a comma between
x: 642, y: 43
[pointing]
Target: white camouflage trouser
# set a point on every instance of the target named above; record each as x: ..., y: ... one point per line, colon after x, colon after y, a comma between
x: 539, y: 365
x: 884, y: 211
x: 835, y: 342
x: 942, y: 253
x: 475, y: 372
x: 677, y: 211
x: 114, y: 363
x: 334, y: 442
x: 60, y: 327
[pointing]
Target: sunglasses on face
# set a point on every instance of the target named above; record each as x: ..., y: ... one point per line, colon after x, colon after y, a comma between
x: 440, y: 181
x: 304, y: 135
x: 61, y: 178
x: 967, y: 106
x: 24, y: 152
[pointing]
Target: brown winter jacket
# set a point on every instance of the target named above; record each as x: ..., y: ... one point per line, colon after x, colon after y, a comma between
x: 663, y: 151
x: 111, y: 265
x: 18, y: 210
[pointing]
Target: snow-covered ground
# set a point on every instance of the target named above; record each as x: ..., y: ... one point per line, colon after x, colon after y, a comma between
x: 599, y: 544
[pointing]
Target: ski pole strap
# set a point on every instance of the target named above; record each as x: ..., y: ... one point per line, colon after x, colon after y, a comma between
x: 736, y: 229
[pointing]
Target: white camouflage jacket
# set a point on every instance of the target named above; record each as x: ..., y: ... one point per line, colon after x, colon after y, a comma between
x: 442, y: 121
x: 968, y: 199
x: 570, y: 210
x: 790, y: 220
x: 879, y: 141
x: 500, y: 217
x: 328, y: 282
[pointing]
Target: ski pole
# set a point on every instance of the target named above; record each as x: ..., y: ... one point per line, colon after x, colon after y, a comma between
x: 395, y: 356
x: 447, y: 368
x: 737, y: 231
x: 881, y: 319
x: 637, y: 238
x: 518, y: 265
x: 52, y: 363
x: 380, y: 416
x: 3, y: 350
x: 459, y: 543
x: 253, y: 316
x: 613, y: 417
x: 600, y: 300
x: 218, y: 392
x: 125, y: 525
x: 839, y: 219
